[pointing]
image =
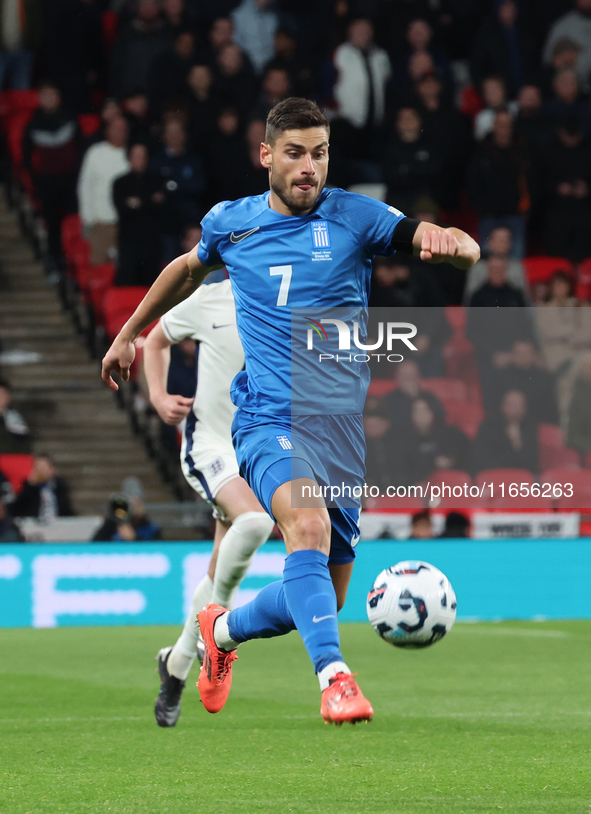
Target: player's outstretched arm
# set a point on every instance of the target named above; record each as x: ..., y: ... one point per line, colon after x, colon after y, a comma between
x: 175, y: 283
x: 171, y: 408
x: 437, y: 245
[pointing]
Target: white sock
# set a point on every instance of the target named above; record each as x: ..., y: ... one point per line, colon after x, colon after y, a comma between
x: 329, y: 672
x: 221, y: 634
x: 184, y: 652
x: 246, y: 534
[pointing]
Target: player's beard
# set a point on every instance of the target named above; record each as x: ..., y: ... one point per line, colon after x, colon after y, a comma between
x: 283, y: 190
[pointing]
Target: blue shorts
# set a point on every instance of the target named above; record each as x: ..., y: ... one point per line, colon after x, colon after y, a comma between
x: 275, y: 450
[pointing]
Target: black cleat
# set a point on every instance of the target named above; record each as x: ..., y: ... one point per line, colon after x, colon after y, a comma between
x: 168, y: 704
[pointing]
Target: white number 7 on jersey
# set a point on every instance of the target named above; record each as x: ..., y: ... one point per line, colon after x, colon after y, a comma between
x: 285, y: 272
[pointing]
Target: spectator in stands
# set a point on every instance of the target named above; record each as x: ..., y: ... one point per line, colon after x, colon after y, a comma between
x: 255, y: 24
x: 191, y: 237
x: 183, y: 175
x: 44, y: 494
x: 227, y: 156
x: 494, y: 94
x: 399, y: 402
x: 363, y: 70
x: 523, y: 369
x: 456, y: 526
x: 578, y: 435
x: 446, y: 126
x: 565, y: 336
x: 497, y: 291
x: 9, y: 532
x: 138, y: 44
x: 498, y: 183
x: 21, y: 27
x: 202, y: 105
x: 295, y: 61
x: 143, y: 527
x: 234, y: 80
x: 411, y: 162
x: 220, y: 34
x: 176, y: 16
x: 565, y: 54
x: 139, y: 200
x: 257, y: 178
x: 136, y: 110
x: 566, y: 171
x: 575, y: 26
x: 531, y: 122
x: 73, y: 49
x: 123, y: 523
x: 498, y: 245
x: 51, y: 153
x: 379, y: 441
x: 508, y: 438
x: 561, y: 291
x: 275, y: 88
x: 167, y: 80
x: 567, y: 102
x: 102, y: 164
x: 502, y: 46
x: 427, y: 445
x: 421, y: 527
x: 14, y: 433
x: 421, y: 59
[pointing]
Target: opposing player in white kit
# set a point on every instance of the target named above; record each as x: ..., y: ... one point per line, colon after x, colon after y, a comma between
x: 208, y: 462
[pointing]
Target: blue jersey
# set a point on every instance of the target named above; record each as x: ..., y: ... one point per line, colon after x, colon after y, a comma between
x: 282, y: 262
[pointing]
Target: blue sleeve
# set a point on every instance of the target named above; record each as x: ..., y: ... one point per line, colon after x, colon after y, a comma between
x: 373, y: 222
x: 211, y: 234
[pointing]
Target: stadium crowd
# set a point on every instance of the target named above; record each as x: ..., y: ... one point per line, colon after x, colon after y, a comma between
x: 473, y: 113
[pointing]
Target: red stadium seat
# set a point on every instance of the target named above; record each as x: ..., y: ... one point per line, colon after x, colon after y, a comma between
x: 551, y: 448
x: 119, y: 304
x: 393, y: 504
x: 452, y: 478
x: 15, y: 130
x: 71, y: 231
x: 541, y: 269
x: 505, y: 475
x: 100, y: 280
x: 15, y: 101
x: 583, y: 287
x: 581, y: 497
x: 558, y: 474
x: 16, y: 468
x: 445, y: 389
x: 89, y: 123
x: 381, y: 387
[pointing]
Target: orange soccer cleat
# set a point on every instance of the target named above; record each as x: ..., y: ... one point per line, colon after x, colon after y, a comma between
x: 343, y: 702
x: 215, y: 677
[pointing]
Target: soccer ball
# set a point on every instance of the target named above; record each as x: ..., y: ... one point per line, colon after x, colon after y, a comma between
x: 411, y: 604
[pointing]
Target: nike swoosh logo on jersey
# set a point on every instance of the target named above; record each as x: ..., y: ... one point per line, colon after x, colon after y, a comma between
x: 237, y: 238
x: 225, y: 325
x: 317, y: 619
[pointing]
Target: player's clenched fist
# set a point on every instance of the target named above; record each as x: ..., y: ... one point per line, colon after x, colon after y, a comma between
x: 438, y: 246
x: 118, y: 359
x: 172, y: 409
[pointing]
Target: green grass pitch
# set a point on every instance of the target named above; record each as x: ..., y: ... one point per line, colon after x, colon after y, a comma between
x: 496, y: 717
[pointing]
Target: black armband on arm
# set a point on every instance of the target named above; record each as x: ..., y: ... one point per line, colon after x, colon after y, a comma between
x: 403, y: 233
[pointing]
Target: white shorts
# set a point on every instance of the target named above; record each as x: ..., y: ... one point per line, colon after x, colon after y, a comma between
x: 208, y: 463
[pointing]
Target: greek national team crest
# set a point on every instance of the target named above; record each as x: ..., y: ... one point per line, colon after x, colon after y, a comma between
x: 320, y: 234
x: 321, y: 249
x: 284, y: 442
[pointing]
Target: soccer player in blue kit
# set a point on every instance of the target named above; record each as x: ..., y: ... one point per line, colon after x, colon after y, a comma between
x: 276, y: 264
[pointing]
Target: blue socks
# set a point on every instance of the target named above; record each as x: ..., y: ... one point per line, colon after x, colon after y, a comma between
x: 262, y: 618
x: 305, y: 600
